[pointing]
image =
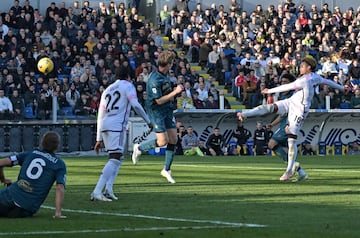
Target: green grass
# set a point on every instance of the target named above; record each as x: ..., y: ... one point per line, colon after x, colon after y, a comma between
x: 213, y: 197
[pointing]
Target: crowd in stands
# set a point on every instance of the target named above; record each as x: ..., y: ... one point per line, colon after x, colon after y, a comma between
x: 245, y: 51
x: 250, y: 50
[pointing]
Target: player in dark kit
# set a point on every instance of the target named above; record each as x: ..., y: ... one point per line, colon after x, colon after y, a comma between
x: 159, y: 106
x: 39, y: 170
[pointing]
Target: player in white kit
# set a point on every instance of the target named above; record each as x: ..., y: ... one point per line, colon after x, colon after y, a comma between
x: 114, y: 111
x: 297, y: 106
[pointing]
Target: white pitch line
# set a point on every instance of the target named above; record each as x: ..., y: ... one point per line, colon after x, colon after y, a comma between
x: 125, y: 229
x: 223, y: 223
x: 264, y: 168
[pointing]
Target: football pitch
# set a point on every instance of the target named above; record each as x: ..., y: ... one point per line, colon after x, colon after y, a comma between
x: 213, y: 197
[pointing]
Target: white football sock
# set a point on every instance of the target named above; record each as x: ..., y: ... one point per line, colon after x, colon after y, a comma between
x: 291, y: 154
x: 110, y: 182
x: 107, y: 171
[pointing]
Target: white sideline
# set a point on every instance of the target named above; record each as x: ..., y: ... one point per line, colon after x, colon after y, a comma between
x: 215, y: 224
x: 125, y: 229
x: 223, y: 223
x: 263, y: 168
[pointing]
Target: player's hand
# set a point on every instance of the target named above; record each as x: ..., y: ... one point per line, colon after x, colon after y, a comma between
x: 287, y: 129
x: 179, y: 88
x: 265, y: 91
x: 97, y: 146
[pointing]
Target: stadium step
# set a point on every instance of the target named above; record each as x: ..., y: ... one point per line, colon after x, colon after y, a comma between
x: 232, y: 100
x: 237, y: 106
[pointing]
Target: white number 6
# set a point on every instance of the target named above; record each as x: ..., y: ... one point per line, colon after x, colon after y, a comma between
x: 36, y: 165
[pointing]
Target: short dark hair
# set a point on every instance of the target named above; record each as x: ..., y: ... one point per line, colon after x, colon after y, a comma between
x: 290, y: 77
x: 121, y: 73
x: 310, y: 61
x: 50, y: 141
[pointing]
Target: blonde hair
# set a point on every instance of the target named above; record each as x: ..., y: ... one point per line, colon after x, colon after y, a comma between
x: 165, y: 58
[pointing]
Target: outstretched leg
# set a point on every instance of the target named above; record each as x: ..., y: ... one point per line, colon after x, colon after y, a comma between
x: 258, y: 111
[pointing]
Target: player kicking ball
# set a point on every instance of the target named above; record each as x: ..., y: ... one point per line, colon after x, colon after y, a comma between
x: 297, y: 106
x: 278, y: 141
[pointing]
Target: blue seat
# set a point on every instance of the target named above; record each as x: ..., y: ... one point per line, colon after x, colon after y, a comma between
x: 355, y: 82
x: 345, y: 105
x: 68, y: 113
x: 29, y: 113
x: 67, y: 69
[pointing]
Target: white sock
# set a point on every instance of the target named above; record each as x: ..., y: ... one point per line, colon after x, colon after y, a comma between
x: 107, y: 171
x: 291, y: 154
x: 109, y: 184
x: 259, y: 110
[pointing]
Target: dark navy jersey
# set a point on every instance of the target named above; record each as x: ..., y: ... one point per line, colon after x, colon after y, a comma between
x: 158, y: 85
x: 39, y: 170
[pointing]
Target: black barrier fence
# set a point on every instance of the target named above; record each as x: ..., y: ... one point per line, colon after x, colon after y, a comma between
x: 23, y: 137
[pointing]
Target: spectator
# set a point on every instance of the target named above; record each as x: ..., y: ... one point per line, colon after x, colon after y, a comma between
x: 249, y: 90
x: 184, y: 102
x: 72, y: 95
x: 82, y: 105
x: 61, y: 98
x: 354, y: 148
x: 44, y: 106
x: 211, y: 103
x: 164, y: 14
x: 203, y: 92
x: 242, y: 135
x: 355, y: 99
x: 181, y: 132
x: 213, y: 58
x: 6, y: 107
x: 18, y: 105
x: 239, y: 82
x: 190, y: 143
x: 181, y: 5
x: 204, y: 50
x: 354, y: 70
x: 199, y: 104
x: 260, y: 139
x: 259, y: 71
x: 215, y: 143
x: 307, y: 150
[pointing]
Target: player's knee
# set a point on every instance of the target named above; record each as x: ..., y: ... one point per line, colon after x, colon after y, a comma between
x: 272, y: 145
x: 266, y: 108
x: 117, y: 156
x: 161, y: 143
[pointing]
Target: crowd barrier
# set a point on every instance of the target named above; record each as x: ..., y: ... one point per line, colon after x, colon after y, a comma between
x: 75, y: 135
x: 328, y: 131
x: 325, y: 130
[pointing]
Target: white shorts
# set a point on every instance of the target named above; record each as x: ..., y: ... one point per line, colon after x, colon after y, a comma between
x: 296, y: 114
x: 114, y: 142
